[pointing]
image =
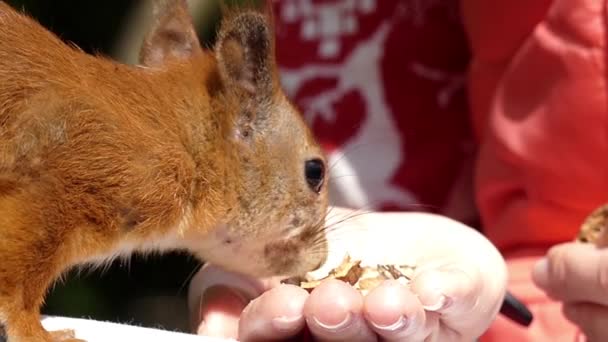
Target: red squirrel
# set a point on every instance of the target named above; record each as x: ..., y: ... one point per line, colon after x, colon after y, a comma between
x: 193, y: 149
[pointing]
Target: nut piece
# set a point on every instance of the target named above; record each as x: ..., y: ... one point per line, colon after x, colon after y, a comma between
x: 595, y: 228
x: 361, y: 278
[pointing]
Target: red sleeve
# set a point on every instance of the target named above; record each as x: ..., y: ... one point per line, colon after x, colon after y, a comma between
x: 496, y: 30
x: 538, y: 94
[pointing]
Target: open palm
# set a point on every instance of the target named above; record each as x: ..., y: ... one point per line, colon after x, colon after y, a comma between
x: 454, y: 295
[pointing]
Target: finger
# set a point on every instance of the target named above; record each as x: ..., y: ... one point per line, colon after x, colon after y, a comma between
x: 217, y: 297
x: 214, y: 313
x: 396, y: 314
x: 209, y: 276
x: 590, y: 318
x: 276, y: 314
x: 456, y: 295
x: 334, y: 313
x: 574, y: 272
x: 452, y: 292
x: 219, y: 311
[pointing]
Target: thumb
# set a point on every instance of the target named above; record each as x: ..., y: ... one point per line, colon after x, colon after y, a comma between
x: 574, y: 272
x: 216, y: 299
x: 218, y: 312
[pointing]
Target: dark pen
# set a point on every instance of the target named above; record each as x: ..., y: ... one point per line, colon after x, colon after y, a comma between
x: 515, y: 310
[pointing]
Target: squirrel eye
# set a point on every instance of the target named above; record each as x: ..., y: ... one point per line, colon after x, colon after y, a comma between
x: 314, y: 171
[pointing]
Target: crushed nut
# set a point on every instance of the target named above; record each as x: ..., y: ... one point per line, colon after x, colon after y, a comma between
x: 362, y: 278
x: 594, y: 228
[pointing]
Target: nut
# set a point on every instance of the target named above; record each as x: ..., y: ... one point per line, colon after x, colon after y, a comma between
x: 362, y: 278
x: 594, y: 228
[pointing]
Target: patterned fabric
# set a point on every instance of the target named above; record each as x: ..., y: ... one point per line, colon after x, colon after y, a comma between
x: 382, y: 85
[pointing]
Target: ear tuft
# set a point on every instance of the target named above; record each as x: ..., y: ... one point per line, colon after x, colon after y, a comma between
x: 172, y: 34
x: 245, y: 52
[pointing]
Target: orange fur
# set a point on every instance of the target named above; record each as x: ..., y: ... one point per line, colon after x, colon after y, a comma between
x: 196, y: 150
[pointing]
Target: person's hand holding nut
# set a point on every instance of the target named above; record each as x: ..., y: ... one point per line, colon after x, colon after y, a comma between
x: 455, y: 291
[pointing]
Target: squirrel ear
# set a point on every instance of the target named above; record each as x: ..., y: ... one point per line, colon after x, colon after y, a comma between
x: 245, y: 53
x: 172, y: 34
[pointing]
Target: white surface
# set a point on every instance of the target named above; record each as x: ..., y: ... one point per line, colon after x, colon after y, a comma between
x: 96, y: 331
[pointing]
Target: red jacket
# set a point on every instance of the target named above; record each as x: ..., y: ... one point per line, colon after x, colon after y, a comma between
x: 384, y: 83
x: 538, y: 98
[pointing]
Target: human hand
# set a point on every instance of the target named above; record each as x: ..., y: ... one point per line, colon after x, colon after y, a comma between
x: 577, y: 275
x: 456, y: 291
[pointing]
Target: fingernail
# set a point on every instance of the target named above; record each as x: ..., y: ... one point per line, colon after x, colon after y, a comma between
x: 441, y: 303
x: 540, y: 272
x: 400, y: 324
x: 542, y: 265
x: 334, y: 327
x: 285, y: 323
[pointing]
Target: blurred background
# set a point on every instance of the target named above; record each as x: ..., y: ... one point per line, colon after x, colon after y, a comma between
x: 149, y: 291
